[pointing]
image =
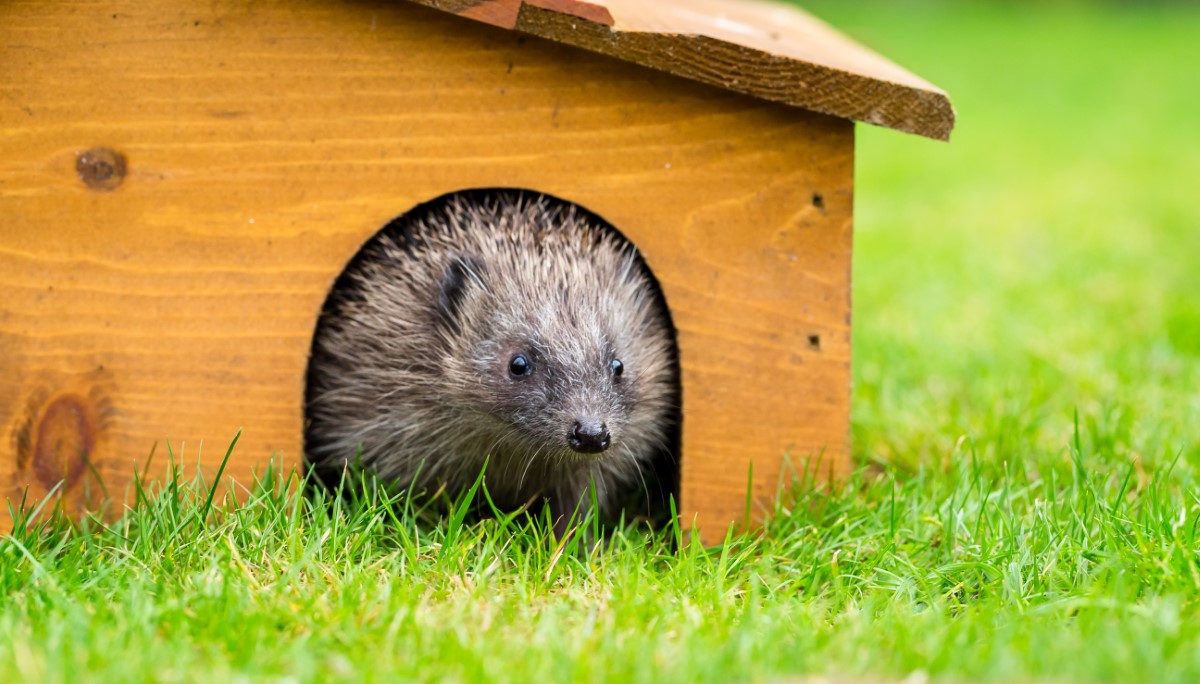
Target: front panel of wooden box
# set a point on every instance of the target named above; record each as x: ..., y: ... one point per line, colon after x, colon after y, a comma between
x: 264, y: 142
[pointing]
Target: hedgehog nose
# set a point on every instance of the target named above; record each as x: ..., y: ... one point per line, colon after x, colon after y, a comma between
x: 588, y: 436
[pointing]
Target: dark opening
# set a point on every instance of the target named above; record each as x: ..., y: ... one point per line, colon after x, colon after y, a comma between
x: 651, y: 493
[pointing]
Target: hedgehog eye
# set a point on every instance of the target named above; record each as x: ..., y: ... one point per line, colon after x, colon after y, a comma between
x: 616, y: 367
x: 520, y: 366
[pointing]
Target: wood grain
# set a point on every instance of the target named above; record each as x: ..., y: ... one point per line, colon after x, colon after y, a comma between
x: 763, y: 48
x: 265, y: 142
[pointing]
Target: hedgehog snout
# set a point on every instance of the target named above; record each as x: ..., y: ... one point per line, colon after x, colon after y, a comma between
x: 588, y: 436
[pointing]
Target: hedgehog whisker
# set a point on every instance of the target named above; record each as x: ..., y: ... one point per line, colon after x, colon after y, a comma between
x: 638, y: 469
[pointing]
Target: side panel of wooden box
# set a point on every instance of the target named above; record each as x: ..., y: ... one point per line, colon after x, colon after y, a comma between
x: 264, y: 142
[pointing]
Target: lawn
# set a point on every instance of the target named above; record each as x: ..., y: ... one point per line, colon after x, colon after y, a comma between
x: 1026, y: 400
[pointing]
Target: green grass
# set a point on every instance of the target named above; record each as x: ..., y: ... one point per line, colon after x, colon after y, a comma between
x: 1042, y: 266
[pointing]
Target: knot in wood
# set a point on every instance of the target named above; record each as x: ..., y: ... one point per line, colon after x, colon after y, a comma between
x: 63, y: 438
x: 101, y: 168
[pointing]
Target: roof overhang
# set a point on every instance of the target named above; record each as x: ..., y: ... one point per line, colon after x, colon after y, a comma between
x: 761, y: 48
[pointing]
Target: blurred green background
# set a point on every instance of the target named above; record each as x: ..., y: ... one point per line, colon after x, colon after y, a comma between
x: 1047, y: 259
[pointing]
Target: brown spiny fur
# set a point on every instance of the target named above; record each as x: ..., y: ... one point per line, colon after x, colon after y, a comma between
x: 411, y: 378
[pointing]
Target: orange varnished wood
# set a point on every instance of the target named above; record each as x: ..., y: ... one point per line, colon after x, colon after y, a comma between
x: 264, y: 142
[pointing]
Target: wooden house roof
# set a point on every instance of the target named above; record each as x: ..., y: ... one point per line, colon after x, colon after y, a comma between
x: 762, y: 48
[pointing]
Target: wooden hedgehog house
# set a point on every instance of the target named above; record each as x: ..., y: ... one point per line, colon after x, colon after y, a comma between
x: 181, y: 184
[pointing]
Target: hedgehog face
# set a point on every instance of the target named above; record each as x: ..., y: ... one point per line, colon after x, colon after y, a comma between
x: 563, y: 360
x: 539, y: 359
x: 561, y: 392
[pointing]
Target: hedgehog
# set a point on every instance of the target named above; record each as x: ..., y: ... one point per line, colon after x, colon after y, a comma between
x: 503, y: 334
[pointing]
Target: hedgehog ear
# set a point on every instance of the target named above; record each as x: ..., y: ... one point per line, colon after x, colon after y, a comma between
x: 456, y: 281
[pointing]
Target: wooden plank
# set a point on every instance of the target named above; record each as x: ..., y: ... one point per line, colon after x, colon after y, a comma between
x: 264, y: 142
x: 763, y: 48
